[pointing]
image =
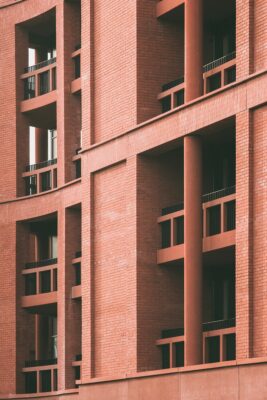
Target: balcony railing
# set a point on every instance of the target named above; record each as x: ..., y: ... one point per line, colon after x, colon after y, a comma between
x: 172, y: 84
x: 41, y: 164
x: 220, y: 61
x: 40, y: 363
x: 41, y: 64
x: 221, y: 324
x: 41, y: 263
x: 205, y: 198
x: 218, y: 343
x: 171, y: 209
x: 219, y: 215
x: 218, y: 194
x: 168, y: 333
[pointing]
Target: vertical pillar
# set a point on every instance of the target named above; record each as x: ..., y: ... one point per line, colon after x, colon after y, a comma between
x: 244, y: 234
x: 193, y: 250
x: 244, y: 38
x: 193, y: 49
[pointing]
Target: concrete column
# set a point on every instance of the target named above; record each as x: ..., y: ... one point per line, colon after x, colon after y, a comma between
x: 193, y: 49
x: 193, y: 250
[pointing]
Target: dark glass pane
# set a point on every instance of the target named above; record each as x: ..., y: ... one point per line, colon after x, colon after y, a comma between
x: 179, y: 230
x: 165, y: 356
x: 29, y: 88
x: 31, y: 382
x: 179, y: 98
x: 166, y: 104
x: 229, y: 341
x: 45, y: 381
x: 214, y: 220
x: 213, y: 349
x: 214, y: 82
x: 179, y: 354
x: 230, y: 215
x: 30, y: 284
x: 45, y: 282
x: 165, y: 234
x: 44, y: 86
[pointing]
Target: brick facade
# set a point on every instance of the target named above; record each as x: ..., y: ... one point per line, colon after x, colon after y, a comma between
x: 101, y: 292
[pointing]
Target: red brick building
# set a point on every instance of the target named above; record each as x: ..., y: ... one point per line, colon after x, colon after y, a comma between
x: 133, y: 196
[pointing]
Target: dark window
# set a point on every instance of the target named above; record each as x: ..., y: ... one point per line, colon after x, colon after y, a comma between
x: 230, y: 215
x: 44, y: 86
x: 77, y: 274
x: 166, y: 104
x: 214, y: 82
x: 29, y: 88
x: 31, y: 382
x: 77, y: 63
x: 213, y: 349
x: 46, y: 181
x: 78, y: 169
x: 179, y: 354
x: 54, y: 79
x: 31, y: 185
x: 214, y: 220
x: 165, y: 234
x: 165, y: 356
x: 179, y: 230
x: 179, y: 98
x: 30, y: 284
x: 45, y: 381
x: 230, y: 75
x: 55, y: 379
x: 229, y: 342
x: 45, y: 282
x: 77, y: 373
x: 55, y: 279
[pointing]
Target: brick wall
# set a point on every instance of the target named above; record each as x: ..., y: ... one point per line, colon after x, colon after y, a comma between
x: 114, y: 283
x: 259, y: 237
x: 114, y: 68
x: 260, y: 34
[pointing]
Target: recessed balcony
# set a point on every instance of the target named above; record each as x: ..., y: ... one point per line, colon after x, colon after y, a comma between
x: 218, y: 343
x: 39, y: 85
x: 44, y: 179
x: 216, y: 74
x: 218, y: 225
x: 40, y: 376
x: 40, y: 280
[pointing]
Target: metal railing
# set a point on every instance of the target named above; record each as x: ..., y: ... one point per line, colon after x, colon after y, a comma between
x: 172, y: 209
x: 205, y: 198
x: 220, y: 61
x: 172, y: 84
x: 40, y: 363
x: 218, y: 194
x: 206, y: 326
x: 41, y: 263
x: 42, y: 164
x: 221, y: 324
x: 168, y: 333
x: 41, y: 64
